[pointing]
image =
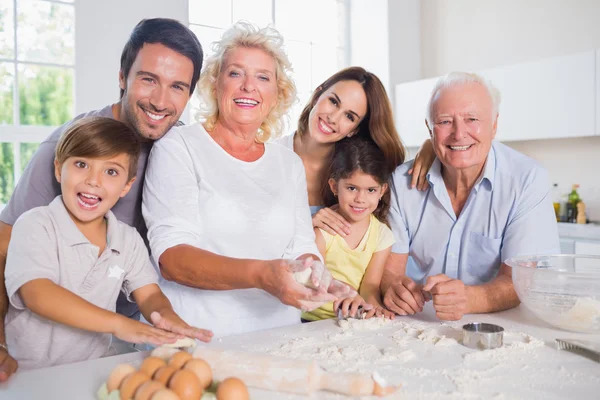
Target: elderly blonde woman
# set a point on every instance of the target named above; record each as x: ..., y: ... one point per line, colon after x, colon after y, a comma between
x: 227, y: 213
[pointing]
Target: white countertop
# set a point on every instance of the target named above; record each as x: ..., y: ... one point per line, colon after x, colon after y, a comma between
x: 579, y: 231
x: 435, y: 371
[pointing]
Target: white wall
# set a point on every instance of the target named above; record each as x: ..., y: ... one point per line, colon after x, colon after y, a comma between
x: 404, y: 20
x: 102, y: 30
x: 476, y: 34
x: 369, y: 44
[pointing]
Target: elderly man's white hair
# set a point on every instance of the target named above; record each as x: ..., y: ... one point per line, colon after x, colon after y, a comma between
x: 461, y: 78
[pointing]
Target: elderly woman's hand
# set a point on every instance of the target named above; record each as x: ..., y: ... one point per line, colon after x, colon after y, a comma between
x: 278, y: 279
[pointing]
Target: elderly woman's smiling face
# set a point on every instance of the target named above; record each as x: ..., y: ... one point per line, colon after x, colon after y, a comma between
x: 246, y: 87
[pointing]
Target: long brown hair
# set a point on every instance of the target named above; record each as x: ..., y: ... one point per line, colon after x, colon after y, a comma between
x: 359, y: 154
x: 378, y: 123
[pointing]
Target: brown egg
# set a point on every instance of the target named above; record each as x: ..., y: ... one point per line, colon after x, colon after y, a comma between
x: 202, y: 370
x: 179, y: 358
x: 147, y: 389
x: 151, y: 364
x: 117, y: 375
x: 186, y: 384
x: 164, y: 374
x: 165, y: 394
x: 131, y: 383
x: 232, y: 389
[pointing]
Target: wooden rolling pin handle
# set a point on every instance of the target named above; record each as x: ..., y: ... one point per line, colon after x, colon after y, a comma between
x: 350, y: 384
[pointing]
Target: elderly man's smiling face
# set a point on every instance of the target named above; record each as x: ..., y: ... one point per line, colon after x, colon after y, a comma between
x: 464, y: 125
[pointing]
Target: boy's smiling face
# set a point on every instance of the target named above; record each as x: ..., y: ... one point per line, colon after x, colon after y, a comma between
x: 92, y: 186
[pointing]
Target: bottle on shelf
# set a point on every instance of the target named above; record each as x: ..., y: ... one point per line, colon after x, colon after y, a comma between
x: 572, y: 204
x: 556, y: 201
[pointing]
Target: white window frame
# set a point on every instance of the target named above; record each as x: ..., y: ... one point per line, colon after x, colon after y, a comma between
x: 16, y: 133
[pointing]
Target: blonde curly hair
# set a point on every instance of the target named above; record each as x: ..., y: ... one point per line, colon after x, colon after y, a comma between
x: 268, y: 39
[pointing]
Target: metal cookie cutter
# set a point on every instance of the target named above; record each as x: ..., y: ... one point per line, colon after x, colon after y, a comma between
x: 479, y: 335
x: 359, y: 314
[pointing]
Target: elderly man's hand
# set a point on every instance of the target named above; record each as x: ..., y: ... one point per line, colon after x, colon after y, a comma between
x: 404, y: 297
x: 8, y: 365
x: 278, y: 280
x: 449, y: 297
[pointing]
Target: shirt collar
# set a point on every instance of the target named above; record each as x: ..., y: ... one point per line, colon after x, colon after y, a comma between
x: 434, y: 176
x: 72, y: 234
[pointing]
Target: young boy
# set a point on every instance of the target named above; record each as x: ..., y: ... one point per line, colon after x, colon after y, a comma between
x: 67, y: 261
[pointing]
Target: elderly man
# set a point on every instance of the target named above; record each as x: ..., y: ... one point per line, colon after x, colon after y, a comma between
x: 486, y: 203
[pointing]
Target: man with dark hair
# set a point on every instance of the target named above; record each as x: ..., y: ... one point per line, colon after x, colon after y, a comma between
x: 160, y: 66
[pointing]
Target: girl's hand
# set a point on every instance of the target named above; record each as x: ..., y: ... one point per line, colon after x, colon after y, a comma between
x: 169, y: 321
x: 137, y: 332
x: 331, y: 222
x: 423, y: 161
x: 349, y: 305
x: 378, y: 311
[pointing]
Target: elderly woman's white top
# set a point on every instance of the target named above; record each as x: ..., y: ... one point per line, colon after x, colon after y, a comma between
x: 195, y: 193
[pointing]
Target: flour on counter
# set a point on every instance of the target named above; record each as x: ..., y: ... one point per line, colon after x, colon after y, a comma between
x: 516, y: 344
x: 363, y: 324
x: 583, y: 316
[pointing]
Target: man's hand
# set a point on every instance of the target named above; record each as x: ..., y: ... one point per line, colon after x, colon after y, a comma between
x: 404, y: 297
x: 8, y: 365
x: 449, y: 297
x: 169, y: 321
x: 278, y: 280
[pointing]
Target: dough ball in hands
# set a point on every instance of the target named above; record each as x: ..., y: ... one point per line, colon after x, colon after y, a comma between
x: 232, y: 389
x: 303, y: 278
x: 183, y: 343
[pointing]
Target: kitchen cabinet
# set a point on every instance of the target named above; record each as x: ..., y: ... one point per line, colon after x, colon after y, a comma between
x: 549, y: 98
x: 598, y: 92
x: 411, y: 110
x: 590, y: 247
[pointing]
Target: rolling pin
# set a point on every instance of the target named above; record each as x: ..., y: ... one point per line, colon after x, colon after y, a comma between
x: 288, y: 375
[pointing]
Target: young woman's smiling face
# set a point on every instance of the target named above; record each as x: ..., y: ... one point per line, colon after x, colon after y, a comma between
x: 338, y: 112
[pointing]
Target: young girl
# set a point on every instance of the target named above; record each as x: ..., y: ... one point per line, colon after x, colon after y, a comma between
x: 358, y: 190
x: 68, y: 261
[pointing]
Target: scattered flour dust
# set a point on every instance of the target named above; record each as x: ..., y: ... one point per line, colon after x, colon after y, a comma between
x: 363, y: 324
x: 350, y: 349
x: 516, y: 344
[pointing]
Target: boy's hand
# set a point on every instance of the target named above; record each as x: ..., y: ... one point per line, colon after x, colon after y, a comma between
x: 169, y: 321
x: 137, y: 332
x: 349, y: 306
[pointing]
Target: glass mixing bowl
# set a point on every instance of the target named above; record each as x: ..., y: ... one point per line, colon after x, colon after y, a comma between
x: 563, y: 290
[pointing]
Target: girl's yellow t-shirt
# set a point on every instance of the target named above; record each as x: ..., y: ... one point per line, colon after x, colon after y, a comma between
x: 349, y: 265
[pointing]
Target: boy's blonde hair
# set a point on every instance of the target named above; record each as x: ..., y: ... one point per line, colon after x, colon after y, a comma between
x: 99, y: 137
